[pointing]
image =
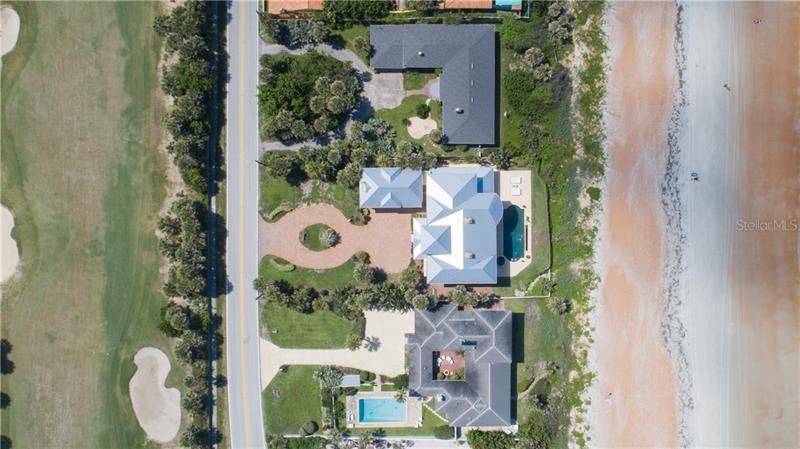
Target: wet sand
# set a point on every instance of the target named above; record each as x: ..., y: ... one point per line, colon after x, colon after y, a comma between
x: 629, y: 354
x: 740, y: 289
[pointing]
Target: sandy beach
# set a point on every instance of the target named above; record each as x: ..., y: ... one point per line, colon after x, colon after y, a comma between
x: 739, y: 289
x: 630, y: 358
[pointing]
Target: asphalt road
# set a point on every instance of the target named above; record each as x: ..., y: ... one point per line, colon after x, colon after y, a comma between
x: 242, y: 336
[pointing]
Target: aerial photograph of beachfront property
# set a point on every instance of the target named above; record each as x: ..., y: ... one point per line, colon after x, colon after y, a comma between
x: 387, y: 224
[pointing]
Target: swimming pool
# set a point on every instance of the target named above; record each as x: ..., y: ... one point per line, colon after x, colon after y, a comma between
x: 513, y: 233
x: 381, y: 410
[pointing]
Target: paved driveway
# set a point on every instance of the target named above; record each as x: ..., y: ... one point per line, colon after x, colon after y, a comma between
x: 387, y: 238
x: 390, y: 329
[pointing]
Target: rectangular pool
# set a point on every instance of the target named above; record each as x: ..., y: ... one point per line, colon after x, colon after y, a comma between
x: 514, y: 233
x: 376, y: 410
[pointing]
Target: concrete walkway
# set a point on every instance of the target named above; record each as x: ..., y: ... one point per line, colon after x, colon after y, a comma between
x: 387, y: 238
x: 381, y: 91
x: 389, y: 328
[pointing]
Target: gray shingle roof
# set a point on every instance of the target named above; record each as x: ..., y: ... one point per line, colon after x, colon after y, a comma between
x: 483, y: 398
x: 466, y: 54
x: 390, y: 187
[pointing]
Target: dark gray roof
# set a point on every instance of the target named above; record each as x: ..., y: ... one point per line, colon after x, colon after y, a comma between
x: 390, y: 187
x: 483, y: 398
x: 466, y: 54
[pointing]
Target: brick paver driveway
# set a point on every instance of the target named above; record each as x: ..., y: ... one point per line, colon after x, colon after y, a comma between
x: 387, y: 238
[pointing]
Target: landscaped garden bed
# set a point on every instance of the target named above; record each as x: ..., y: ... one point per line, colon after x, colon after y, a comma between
x: 318, y: 237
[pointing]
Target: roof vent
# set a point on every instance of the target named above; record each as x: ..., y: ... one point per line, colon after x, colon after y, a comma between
x: 420, y: 53
x: 470, y: 220
x: 469, y: 255
x: 459, y: 111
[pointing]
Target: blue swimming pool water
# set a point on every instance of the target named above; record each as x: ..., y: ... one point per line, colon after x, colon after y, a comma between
x: 513, y: 233
x: 381, y: 410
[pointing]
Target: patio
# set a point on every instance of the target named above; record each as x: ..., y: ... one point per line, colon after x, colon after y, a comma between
x: 413, y: 411
x: 385, y: 238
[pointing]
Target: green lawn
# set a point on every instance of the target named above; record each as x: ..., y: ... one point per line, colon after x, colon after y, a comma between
x: 525, y: 316
x: 417, y: 79
x: 291, y: 399
x: 408, y: 109
x: 429, y: 422
x: 311, y: 237
x: 540, y: 241
x: 349, y: 35
x: 288, y: 328
x: 83, y: 176
x: 319, y: 279
x: 275, y: 192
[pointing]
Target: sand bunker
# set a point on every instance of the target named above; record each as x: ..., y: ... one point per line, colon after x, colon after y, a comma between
x: 9, y: 28
x: 157, y: 408
x: 420, y: 127
x: 8, y: 266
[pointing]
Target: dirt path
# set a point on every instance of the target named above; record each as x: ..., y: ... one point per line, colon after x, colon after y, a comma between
x: 740, y: 292
x: 630, y: 357
x: 387, y: 238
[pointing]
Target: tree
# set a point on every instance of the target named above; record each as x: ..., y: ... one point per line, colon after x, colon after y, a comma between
x: 534, y: 433
x: 328, y: 376
x: 400, y: 395
x: 5, y: 442
x: 423, y: 110
x: 501, y: 157
x: 195, y: 401
x: 328, y: 237
x: 422, y: 302
x: 5, y: 400
x: 350, y: 175
x: 362, y: 46
x: 279, y: 163
x: 338, y: 13
x: 363, y: 274
x: 461, y: 296
x: 423, y: 5
x: 477, y: 439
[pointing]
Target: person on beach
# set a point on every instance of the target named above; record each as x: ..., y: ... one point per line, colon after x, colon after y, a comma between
x: 728, y: 88
x: 695, y: 177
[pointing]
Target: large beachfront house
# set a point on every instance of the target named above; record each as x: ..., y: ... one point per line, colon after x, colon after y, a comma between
x: 466, y: 55
x: 463, y: 359
x: 457, y: 238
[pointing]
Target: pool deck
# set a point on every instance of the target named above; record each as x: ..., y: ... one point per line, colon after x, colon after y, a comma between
x: 518, y: 194
x: 413, y: 411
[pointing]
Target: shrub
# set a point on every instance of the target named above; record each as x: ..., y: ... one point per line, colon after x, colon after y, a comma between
x: 279, y: 163
x: 363, y: 47
x: 309, y: 428
x: 478, y: 439
x: 436, y: 137
x: 443, y: 433
x: 282, y: 208
x: 338, y: 13
x: 361, y: 257
x: 366, y: 376
x: 281, y: 265
x: 328, y: 237
x: 423, y: 110
x: 360, y: 217
x: 400, y: 381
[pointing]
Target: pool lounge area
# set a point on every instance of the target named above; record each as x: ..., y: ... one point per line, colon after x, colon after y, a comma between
x: 381, y: 409
x: 514, y: 188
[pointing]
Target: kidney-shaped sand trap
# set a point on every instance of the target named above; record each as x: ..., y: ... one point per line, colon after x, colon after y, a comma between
x: 157, y: 408
x: 419, y: 127
x: 10, y: 28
